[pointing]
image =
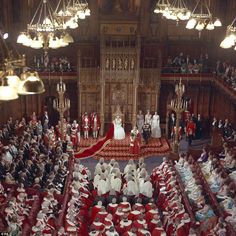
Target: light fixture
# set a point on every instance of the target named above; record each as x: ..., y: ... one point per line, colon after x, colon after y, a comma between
x: 162, y: 6
x: 43, y: 29
x: 191, y: 24
x: 179, y: 11
x: 10, y: 82
x: 69, y: 12
x: 175, y: 11
x: 210, y: 25
x: 5, y: 35
x: 201, y: 17
x: 7, y: 93
x: 217, y: 23
x: 79, y: 9
x: 31, y: 85
x: 12, y: 79
x: 200, y: 26
x: 230, y: 36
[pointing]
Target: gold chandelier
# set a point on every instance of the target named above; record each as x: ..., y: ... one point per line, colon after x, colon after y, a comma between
x: 44, y: 30
x: 71, y: 11
x: 11, y: 63
x: 230, y: 36
x: 162, y: 6
x: 175, y: 11
x: 201, y: 17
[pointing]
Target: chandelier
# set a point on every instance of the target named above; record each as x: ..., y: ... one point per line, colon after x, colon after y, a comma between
x: 230, y: 36
x: 176, y: 11
x: 11, y: 65
x: 162, y: 6
x: 201, y: 17
x: 71, y: 11
x: 44, y: 30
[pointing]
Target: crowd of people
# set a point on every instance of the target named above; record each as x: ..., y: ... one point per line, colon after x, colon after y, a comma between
x: 34, y: 170
x: 190, y: 125
x: 126, y: 203
x: 30, y: 158
x: 52, y: 64
x: 185, y: 64
x: 225, y: 128
x: 31, y: 161
x: 227, y: 72
x: 218, y: 168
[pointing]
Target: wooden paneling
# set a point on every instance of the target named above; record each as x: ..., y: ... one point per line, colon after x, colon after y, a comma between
x: 126, y: 105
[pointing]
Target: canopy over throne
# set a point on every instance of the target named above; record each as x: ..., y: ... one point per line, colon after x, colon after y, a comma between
x: 117, y: 112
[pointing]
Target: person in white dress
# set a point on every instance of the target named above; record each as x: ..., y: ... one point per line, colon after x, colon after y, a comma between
x: 140, y: 121
x: 119, y: 132
x: 155, y: 126
x: 148, y: 118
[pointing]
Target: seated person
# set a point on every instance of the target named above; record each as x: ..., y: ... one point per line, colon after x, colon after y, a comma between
x: 119, y: 132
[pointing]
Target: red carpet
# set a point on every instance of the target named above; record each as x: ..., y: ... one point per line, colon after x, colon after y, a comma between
x: 96, y: 147
x: 119, y: 149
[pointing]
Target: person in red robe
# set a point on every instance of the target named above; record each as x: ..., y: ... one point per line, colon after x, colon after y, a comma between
x: 124, y: 225
x: 98, y: 226
x: 135, y: 140
x: 75, y: 134
x: 86, y: 125
x: 190, y: 131
x: 95, y: 125
x: 158, y: 230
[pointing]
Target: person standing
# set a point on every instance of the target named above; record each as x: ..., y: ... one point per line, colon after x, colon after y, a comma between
x: 198, y: 127
x: 155, y: 126
x: 148, y: 118
x: 140, y: 121
x: 134, y: 141
x: 75, y: 134
x: 190, y: 131
x: 86, y: 125
x: 95, y: 125
x: 146, y: 132
x: 172, y: 122
x: 45, y: 121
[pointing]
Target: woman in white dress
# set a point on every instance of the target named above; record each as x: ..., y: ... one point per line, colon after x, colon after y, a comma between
x: 155, y: 126
x: 140, y: 121
x: 119, y: 132
x: 148, y: 118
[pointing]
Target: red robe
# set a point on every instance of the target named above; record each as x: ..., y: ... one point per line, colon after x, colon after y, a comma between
x: 150, y: 214
x: 86, y: 123
x: 140, y: 224
x: 98, y: 226
x: 190, y: 129
x: 135, y: 144
x: 95, y: 123
x: 181, y: 230
x: 74, y: 135
x: 134, y: 215
x: 111, y: 208
x: 94, y: 212
x: 158, y: 231
x: 139, y: 207
x: 121, y: 228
